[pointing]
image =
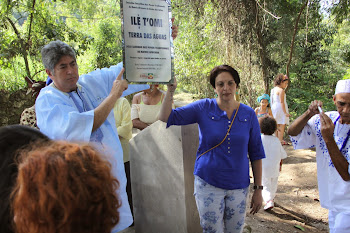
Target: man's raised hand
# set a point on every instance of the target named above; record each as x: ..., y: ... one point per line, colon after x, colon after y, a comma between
x: 119, y: 84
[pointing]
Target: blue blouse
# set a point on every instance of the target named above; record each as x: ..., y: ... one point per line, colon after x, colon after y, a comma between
x: 226, y: 166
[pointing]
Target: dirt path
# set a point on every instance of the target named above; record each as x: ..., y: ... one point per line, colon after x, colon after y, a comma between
x: 296, y: 202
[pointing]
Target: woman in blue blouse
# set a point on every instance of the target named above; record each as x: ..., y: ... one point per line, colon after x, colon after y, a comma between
x: 229, y: 136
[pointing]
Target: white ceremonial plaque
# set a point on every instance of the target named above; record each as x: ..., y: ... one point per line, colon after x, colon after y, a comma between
x: 147, y: 43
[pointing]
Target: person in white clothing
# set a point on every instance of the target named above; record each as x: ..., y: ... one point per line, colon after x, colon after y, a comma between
x: 272, y: 164
x: 329, y: 133
x: 279, y: 105
x: 79, y: 108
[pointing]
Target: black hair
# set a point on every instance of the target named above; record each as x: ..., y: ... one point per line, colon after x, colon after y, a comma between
x: 223, y: 68
x: 268, y: 125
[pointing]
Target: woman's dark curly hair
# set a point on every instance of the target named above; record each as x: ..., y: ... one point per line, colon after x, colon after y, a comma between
x: 12, y: 139
x: 268, y: 125
x: 65, y: 187
x: 223, y: 68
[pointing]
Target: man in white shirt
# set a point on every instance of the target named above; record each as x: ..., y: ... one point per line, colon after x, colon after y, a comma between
x: 79, y: 108
x: 329, y: 133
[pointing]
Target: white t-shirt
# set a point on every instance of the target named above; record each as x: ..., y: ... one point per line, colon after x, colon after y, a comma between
x: 274, y: 152
x: 333, y: 190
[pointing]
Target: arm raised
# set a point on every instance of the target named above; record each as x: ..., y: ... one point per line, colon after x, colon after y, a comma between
x: 167, y: 102
x: 297, y: 126
x: 102, y: 111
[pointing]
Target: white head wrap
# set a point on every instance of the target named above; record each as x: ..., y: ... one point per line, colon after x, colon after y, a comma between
x: 343, y: 86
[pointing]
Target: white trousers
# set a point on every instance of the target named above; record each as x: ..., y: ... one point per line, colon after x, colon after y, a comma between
x: 338, y: 222
x: 270, y: 188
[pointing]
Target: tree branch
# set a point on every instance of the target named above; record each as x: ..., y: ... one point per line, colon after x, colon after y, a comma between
x: 31, y: 21
x: 23, y: 49
x: 276, y: 17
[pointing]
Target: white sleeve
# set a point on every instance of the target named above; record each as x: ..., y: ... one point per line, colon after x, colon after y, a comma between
x: 283, y: 152
x: 307, y: 137
x: 59, y: 119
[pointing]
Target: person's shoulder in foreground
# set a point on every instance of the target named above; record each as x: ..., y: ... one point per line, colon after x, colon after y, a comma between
x: 63, y: 175
x: 13, y: 139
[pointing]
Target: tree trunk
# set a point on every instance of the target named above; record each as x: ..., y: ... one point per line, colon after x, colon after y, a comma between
x: 261, y: 45
x: 293, y: 39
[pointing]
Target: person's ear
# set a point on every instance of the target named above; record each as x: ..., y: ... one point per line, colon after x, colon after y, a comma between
x: 334, y: 98
x: 49, y: 73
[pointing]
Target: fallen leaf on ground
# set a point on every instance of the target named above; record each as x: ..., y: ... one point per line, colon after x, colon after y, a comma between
x: 299, y: 227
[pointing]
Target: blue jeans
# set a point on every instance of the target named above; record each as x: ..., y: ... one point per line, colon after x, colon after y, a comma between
x: 220, y: 210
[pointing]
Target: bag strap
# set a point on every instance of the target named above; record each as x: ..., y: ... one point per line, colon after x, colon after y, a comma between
x: 225, y: 135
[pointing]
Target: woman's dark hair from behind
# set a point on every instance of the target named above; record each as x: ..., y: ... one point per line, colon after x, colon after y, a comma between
x: 12, y: 139
x: 268, y: 125
x: 278, y: 79
x: 65, y: 187
x: 223, y: 68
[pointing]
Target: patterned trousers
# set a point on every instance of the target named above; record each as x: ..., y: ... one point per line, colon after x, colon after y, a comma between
x: 220, y: 210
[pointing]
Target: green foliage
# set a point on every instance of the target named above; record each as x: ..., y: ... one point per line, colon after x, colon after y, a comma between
x: 341, y: 10
x: 319, y: 68
x: 254, y: 39
x: 9, y: 80
x: 195, y: 48
x: 347, y: 75
x: 108, y: 44
x: 27, y: 25
x: 251, y: 40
